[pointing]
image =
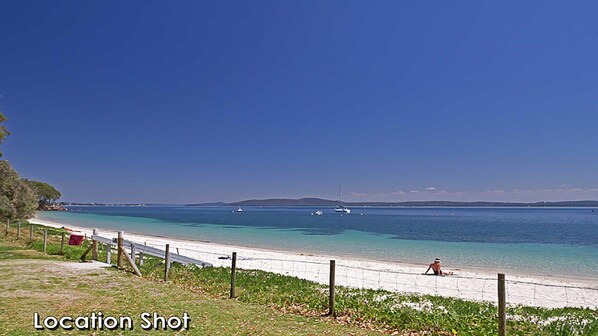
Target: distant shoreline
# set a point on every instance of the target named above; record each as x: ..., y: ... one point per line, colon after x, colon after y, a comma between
x: 320, y: 202
x: 326, y: 202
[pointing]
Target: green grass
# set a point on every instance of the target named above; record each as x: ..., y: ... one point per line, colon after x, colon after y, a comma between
x: 378, y: 309
x: 368, y: 309
x: 34, y: 282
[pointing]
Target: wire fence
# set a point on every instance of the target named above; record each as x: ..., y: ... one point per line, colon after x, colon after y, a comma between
x: 519, y: 290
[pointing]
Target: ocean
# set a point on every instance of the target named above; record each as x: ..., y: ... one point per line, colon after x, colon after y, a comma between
x: 558, y: 241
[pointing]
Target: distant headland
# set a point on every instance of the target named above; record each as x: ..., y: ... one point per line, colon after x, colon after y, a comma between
x: 67, y: 204
x: 326, y: 202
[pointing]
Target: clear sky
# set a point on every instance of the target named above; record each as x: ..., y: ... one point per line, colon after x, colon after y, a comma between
x: 192, y: 101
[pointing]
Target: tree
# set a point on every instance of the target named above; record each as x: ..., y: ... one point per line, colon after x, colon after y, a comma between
x: 20, y: 198
x: 3, y: 131
x: 46, y: 194
x: 17, y: 200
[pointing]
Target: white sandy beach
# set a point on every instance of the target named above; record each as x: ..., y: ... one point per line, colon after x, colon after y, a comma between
x: 533, y: 290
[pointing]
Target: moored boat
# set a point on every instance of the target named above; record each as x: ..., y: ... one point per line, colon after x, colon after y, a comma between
x: 339, y: 207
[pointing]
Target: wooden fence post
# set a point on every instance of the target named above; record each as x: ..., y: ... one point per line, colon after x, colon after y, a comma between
x: 502, y: 316
x: 18, y: 230
x: 7, y: 226
x: 94, y: 243
x: 45, y: 239
x: 62, y: 244
x: 141, y: 258
x: 129, y: 260
x: 108, y: 253
x: 119, y: 255
x: 331, y: 297
x: 31, y: 234
x: 133, y: 252
x: 233, y: 275
x: 166, y: 262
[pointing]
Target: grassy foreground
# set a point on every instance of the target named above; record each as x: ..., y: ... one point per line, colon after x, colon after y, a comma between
x: 368, y: 309
x: 33, y: 282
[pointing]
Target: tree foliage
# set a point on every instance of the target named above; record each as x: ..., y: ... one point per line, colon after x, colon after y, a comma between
x: 46, y: 194
x: 20, y: 198
x: 3, y: 131
x: 17, y: 200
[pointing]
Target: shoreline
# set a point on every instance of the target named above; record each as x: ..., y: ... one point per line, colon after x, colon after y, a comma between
x: 468, y: 283
x: 412, y: 265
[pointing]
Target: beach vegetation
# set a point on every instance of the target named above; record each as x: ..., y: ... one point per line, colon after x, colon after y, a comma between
x: 46, y: 193
x: 3, y: 131
x: 17, y: 200
x: 379, y: 309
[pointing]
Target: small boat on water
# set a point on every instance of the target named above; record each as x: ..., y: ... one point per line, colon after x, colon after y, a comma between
x: 341, y: 208
x: 239, y: 210
x: 318, y: 213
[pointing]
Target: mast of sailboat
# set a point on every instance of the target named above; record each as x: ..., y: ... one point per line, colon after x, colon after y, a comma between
x: 338, y: 200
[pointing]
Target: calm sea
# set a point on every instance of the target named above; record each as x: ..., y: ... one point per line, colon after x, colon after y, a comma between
x: 561, y: 241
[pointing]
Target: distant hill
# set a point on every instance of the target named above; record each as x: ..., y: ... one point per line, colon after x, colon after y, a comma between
x: 325, y: 202
x: 275, y: 202
x: 209, y: 204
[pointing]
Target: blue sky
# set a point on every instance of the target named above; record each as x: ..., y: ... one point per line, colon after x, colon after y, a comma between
x: 189, y: 101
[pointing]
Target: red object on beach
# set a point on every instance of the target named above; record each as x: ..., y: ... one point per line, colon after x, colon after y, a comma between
x: 75, y: 240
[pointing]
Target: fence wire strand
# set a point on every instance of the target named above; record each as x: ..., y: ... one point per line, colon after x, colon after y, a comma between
x: 518, y: 289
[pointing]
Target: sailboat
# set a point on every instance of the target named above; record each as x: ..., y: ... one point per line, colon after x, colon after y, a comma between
x: 341, y: 208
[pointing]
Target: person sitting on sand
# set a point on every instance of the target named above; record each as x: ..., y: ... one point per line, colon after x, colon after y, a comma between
x: 435, y: 266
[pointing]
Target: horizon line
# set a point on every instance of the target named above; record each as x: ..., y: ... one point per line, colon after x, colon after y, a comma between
x: 329, y: 200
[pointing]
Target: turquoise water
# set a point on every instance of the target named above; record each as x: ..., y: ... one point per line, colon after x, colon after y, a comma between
x: 545, y: 241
